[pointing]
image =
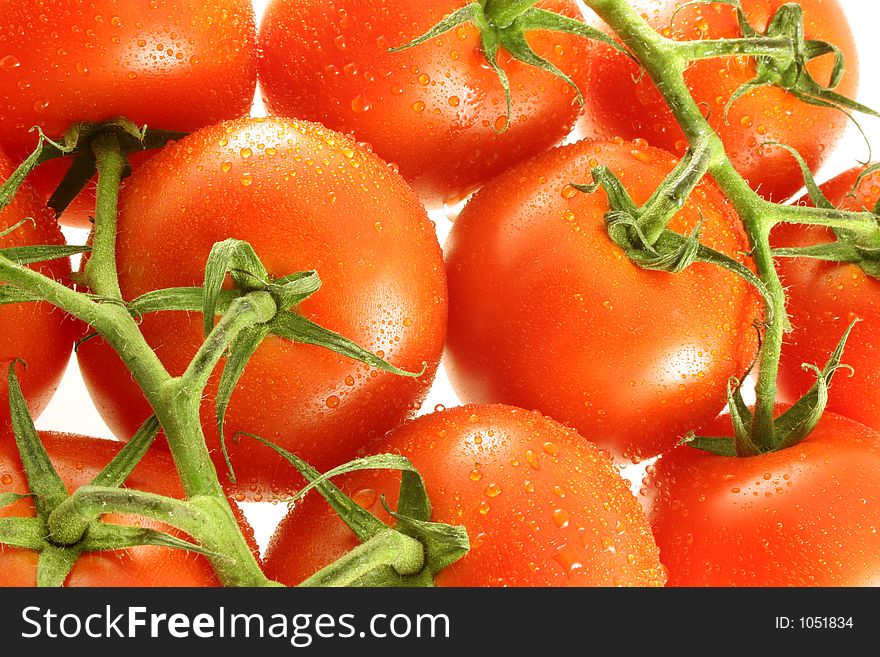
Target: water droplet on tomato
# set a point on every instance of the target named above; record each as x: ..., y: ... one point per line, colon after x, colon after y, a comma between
x: 6, y: 479
x: 332, y: 401
x: 483, y: 508
x: 475, y: 474
x: 493, y: 490
x: 361, y: 104
x: 9, y: 63
x: 418, y: 106
x: 365, y: 497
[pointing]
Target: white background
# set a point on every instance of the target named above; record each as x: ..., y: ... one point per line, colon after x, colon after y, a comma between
x: 71, y: 409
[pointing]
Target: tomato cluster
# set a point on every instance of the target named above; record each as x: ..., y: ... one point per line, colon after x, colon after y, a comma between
x: 547, y: 315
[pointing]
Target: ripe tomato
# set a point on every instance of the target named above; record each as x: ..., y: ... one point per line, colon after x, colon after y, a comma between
x: 547, y: 312
x: 78, y: 460
x: 305, y: 198
x: 824, y: 298
x: 434, y: 110
x: 542, y: 506
x: 805, y: 516
x: 36, y: 333
x: 171, y: 64
x: 623, y: 103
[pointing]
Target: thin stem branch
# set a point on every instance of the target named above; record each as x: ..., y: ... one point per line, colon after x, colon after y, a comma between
x: 777, y: 47
x: 249, y: 310
x: 100, y: 270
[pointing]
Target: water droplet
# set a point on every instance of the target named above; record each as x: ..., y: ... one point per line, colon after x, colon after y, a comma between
x: 226, y: 167
x: 569, y: 192
x: 493, y: 490
x: 6, y: 479
x: 560, y: 517
x: 247, y: 179
x: 82, y: 68
x: 476, y: 475
x: 551, y: 448
x: 246, y: 153
x: 454, y: 101
x: 483, y: 508
x: 332, y: 401
x: 424, y: 79
x: 532, y: 460
x: 501, y: 123
x: 439, y: 408
x: 9, y: 63
x: 418, y: 106
x: 361, y: 104
x: 365, y: 497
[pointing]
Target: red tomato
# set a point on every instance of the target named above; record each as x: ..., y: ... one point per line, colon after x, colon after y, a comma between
x: 36, y: 333
x: 171, y: 64
x: 305, y: 198
x: 434, y: 110
x: 623, y: 103
x: 805, y: 516
x: 78, y: 460
x: 547, y: 312
x: 824, y: 298
x: 541, y: 505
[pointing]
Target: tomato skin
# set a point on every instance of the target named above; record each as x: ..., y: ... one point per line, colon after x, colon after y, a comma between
x: 618, y: 105
x: 824, y: 298
x: 546, y: 312
x: 78, y: 460
x: 305, y: 198
x: 37, y: 333
x: 434, y: 110
x: 170, y: 64
x: 805, y: 516
x: 542, y: 506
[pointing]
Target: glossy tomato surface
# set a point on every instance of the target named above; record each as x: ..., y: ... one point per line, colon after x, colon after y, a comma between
x: 547, y: 312
x: 626, y: 104
x: 78, y: 460
x: 305, y: 198
x: 437, y: 110
x: 824, y: 299
x: 36, y: 333
x: 542, y: 506
x: 170, y: 64
x: 805, y: 516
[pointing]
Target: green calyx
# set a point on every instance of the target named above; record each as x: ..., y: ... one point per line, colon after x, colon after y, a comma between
x: 506, y: 24
x: 789, y: 429
x: 258, y: 306
x: 642, y: 234
x: 410, y: 553
x: 63, y: 528
x: 858, y: 244
x: 789, y: 70
x: 77, y: 144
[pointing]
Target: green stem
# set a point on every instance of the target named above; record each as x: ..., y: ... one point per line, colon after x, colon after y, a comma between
x: 502, y: 13
x: 668, y: 199
x: 70, y: 520
x: 775, y: 47
x: 249, y: 310
x: 100, y: 270
x: 383, y: 559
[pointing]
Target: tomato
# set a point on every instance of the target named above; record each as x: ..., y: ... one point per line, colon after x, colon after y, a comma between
x: 435, y: 110
x: 804, y: 516
x: 78, y: 460
x: 542, y: 507
x: 547, y: 312
x: 623, y: 103
x: 305, y: 198
x: 170, y: 64
x: 36, y: 333
x: 824, y: 298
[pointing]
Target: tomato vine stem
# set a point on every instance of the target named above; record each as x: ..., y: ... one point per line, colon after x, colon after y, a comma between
x: 665, y: 61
